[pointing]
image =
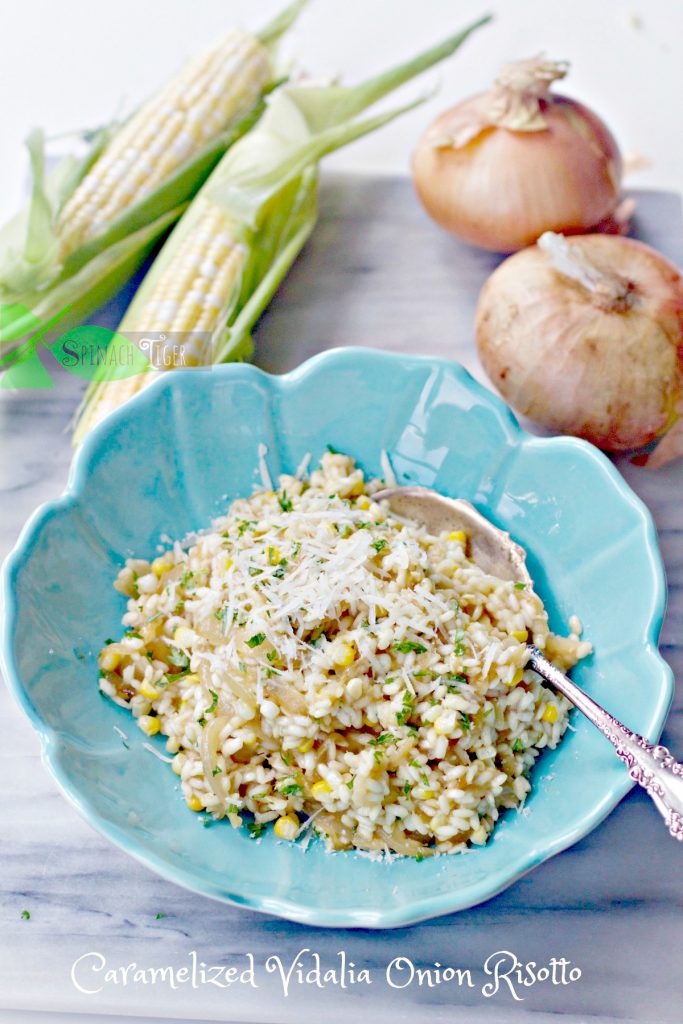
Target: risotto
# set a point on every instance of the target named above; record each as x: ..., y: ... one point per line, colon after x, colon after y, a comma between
x: 317, y: 662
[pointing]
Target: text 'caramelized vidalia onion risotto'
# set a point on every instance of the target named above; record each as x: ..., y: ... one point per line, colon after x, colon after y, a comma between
x: 315, y: 661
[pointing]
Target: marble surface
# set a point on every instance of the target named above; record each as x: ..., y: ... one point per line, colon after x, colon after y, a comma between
x: 375, y: 273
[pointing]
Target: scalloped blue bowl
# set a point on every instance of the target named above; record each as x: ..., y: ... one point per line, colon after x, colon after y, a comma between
x: 165, y: 463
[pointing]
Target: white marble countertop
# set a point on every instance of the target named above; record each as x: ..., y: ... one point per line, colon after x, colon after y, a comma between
x: 384, y: 276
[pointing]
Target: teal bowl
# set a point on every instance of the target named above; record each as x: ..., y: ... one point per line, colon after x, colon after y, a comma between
x: 168, y: 462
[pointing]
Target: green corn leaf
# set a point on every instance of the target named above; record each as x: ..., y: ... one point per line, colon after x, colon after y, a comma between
x: 41, y: 240
x: 28, y: 245
x: 271, y: 34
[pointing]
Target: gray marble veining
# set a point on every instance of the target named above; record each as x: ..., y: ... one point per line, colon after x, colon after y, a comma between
x: 376, y: 272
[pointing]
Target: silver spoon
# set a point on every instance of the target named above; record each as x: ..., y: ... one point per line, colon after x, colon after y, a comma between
x: 649, y: 764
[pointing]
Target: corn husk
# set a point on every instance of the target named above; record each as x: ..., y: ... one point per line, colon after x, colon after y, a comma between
x: 267, y: 184
x: 32, y: 275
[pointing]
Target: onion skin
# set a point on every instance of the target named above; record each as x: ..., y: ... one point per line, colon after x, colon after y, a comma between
x: 579, y: 363
x: 502, y: 189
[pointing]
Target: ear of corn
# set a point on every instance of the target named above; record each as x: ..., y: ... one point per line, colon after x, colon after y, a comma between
x: 229, y: 252
x: 211, y: 93
x: 133, y: 177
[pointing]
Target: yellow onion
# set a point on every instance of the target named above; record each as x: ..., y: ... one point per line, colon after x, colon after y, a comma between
x: 584, y: 335
x: 502, y: 167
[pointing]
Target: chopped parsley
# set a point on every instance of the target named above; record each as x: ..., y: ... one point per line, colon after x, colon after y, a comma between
x: 349, y: 784
x: 158, y: 917
x: 214, y: 703
x: 407, y: 786
x: 291, y: 789
x: 287, y: 758
x: 220, y: 614
x: 256, y: 829
x: 408, y: 707
x: 379, y: 545
x: 280, y: 571
x: 331, y: 450
x: 284, y: 502
x: 244, y: 525
x: 232, y: 809
x: 520, y: 586
x: 172, y: 677
x: 256, y: 640
x: 465, y: 721
x: 217, y: 771
x: 254, y: 570
x: 518, y: 746
x: 25, y: 916
x: 459, y: 643
x: 186, y: 578
x: 272, y: 656
x: 296, y: 549
x: 406, y: 646
x: 383, y: 739
x: 454, y: 681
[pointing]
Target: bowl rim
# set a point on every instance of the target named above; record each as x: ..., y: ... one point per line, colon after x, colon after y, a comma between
x: 300, y: 912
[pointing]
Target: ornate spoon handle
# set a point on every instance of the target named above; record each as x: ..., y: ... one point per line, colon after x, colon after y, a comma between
x: 652, y: 766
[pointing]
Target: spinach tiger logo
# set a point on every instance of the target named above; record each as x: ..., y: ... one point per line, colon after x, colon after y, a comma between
x: 89, y: 351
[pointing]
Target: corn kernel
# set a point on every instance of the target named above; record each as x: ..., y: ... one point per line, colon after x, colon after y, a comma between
x: 320, y: 788
x: 149, y: 691
x: 287, y: 827
x: 427, y: 794
x: 356, y: 489
x: 273, y: 556
x: 149, y: 724
x: 160, y: 566
x: 458, y: 535
x: 363, y: 502
x: 517, y: 678
x: 109, y: 660
x: 227, y: 564
x: 549, y: 713
x: 521, y: 635
x: 344, y: 655
x: 195, y: 803
x: 305, y: 746
x: 183, y: 636
x: 479, y: 836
